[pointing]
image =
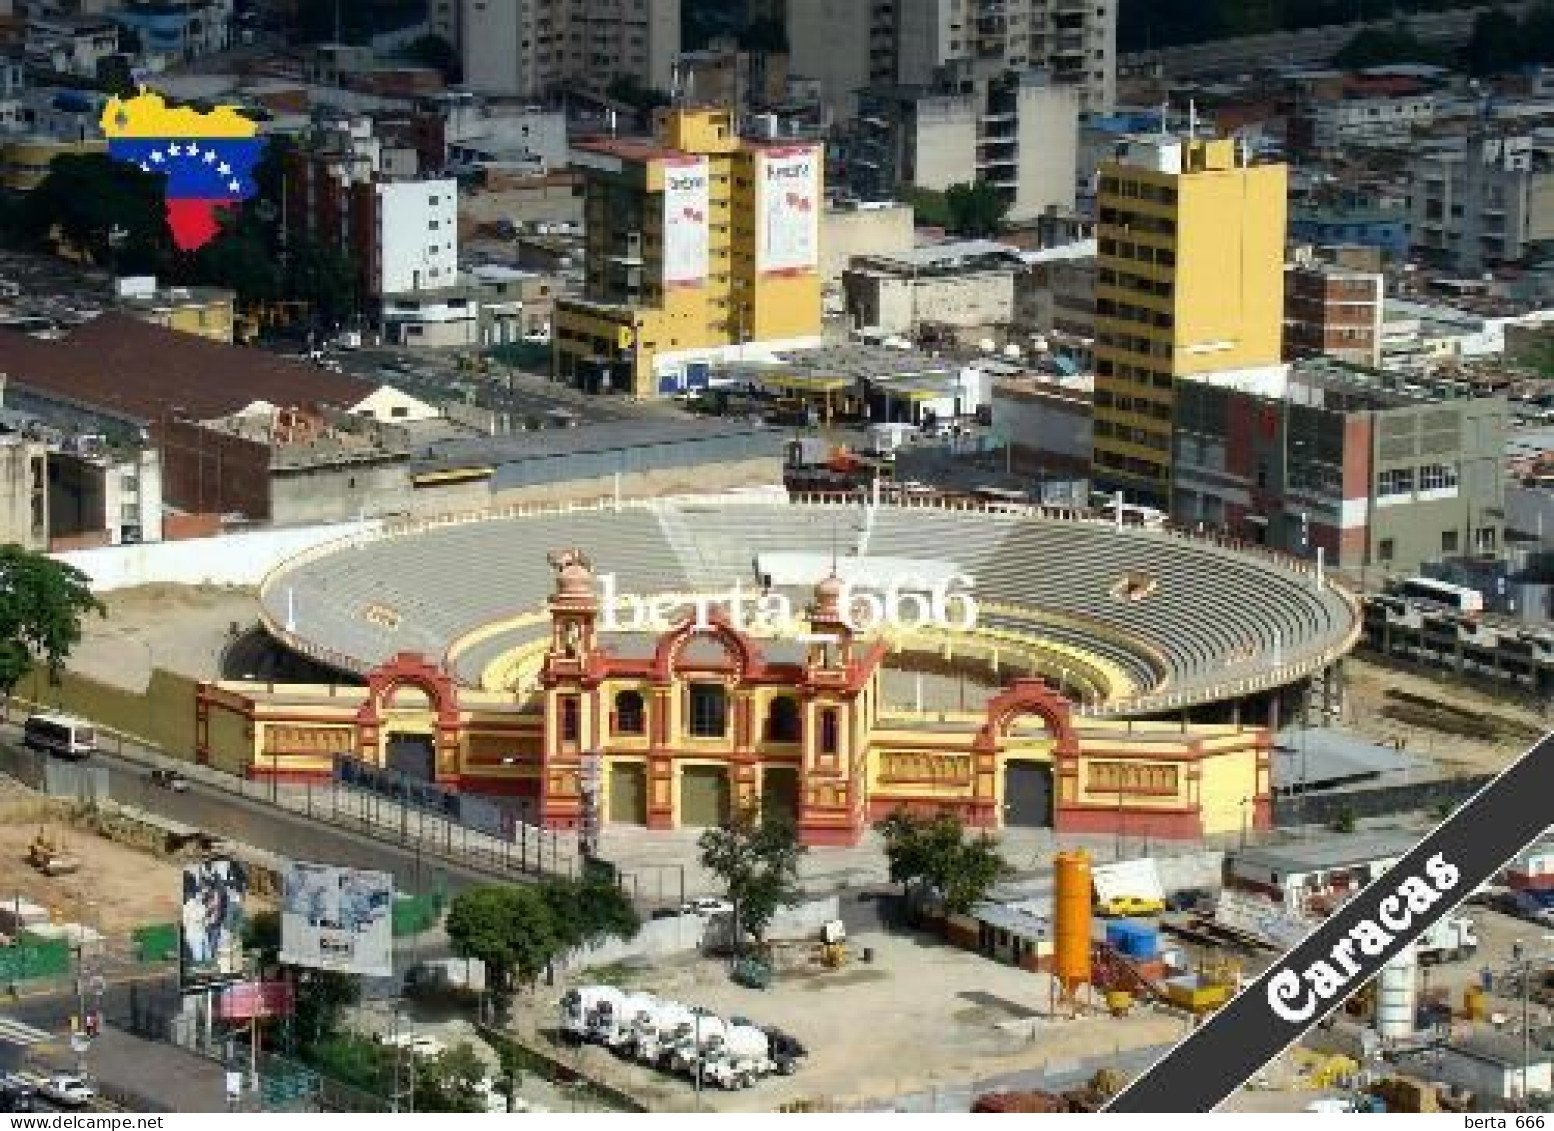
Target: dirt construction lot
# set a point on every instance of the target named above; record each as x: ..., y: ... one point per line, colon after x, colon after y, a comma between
x: 921, y: 1014
x: 116, y: 889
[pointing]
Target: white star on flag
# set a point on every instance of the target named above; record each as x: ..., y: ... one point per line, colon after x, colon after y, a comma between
x: 175, y: 150
x: 235, y: 186
x: 156, y: 156
x: 210, y: 156
x: 144, y: 168
x: 224, y: 169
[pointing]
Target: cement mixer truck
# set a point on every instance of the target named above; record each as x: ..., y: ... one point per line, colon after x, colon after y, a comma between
x: 737, y: 1058
x: 616, y: 1027
x: 580, y: 1009
x: 660, y: 1031
x: 694, y: 1042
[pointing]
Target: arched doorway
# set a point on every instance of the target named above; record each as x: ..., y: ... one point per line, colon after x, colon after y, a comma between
x: 411, y: 754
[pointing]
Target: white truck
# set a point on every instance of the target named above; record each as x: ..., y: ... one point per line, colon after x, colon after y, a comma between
x: 1450, y: 940
x: 658, y: 1032
x: 738, y: 1058
x: 580, y: 1009
x: 694, y: 1041
x: 618, y: 1021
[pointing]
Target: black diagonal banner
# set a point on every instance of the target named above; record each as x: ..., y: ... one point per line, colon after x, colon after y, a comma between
x: 1353, y: 945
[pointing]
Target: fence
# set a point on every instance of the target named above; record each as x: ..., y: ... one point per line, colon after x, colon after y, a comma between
x: 156, y: 942
x: 33, y: 958
x: 1383, y: 801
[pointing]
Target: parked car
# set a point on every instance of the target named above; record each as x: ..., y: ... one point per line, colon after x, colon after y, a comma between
x: 17, y: 1094
x: 1191, y: 899
x: 72, y: 1091
x: 707, y: 907
x: 1125, y: 906
x: 168, y: 779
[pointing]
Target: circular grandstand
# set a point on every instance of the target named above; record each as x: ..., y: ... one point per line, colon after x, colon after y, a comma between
x: 1125, y: 621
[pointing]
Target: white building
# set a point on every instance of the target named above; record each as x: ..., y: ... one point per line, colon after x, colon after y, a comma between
x: 1481, y: 203
x: 416, y: 236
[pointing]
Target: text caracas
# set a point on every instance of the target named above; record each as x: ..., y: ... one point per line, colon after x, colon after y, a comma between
x: 1296, y: 997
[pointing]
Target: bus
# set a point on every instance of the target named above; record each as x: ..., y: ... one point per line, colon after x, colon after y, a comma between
x: 1428, y: 591
x: 59, y: 734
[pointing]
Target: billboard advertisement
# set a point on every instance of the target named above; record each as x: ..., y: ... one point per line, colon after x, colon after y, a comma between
x: 248, y: 1001
x: 687, y: 201
x: 210, y: 946
x: 788, y: 211
x: 338, y: 919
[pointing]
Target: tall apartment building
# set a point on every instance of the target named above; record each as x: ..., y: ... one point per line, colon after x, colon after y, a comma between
x: 909, y: 43
x: 527, y: 48
x: 1482, y: 203
x: 1017, y: 132
x: 701, y: 246
x: 1189, y: 282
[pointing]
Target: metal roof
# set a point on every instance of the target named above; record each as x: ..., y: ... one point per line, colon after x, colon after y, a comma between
x: 554, y: 443
x: 1330, y: 852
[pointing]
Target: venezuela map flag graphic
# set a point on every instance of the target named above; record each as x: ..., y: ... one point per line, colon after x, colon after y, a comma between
x: 208, y: 158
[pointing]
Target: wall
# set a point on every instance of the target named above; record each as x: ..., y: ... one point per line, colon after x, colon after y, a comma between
x: 414, y: 256
x: 685, y: 933
x: 235, y: 559
x: 1049, y: 150
x: 23, y: 481
x: 1049, y: 428
x: 862, y: 231
x: 944, y: 148
x: 829, y: 42
x: 206, y: 470
x: 897, y: 304
x: 1384, y: 801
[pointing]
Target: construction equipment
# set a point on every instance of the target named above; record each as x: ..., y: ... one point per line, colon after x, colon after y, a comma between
x: 1407, y: 1094
x: 49, y: 856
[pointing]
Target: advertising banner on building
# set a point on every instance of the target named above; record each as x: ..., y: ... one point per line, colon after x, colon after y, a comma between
x: 788, y: 211
x: 338, y: 919
x: 248, y: 1001
x: 687, y: 201
x: 210, y: 947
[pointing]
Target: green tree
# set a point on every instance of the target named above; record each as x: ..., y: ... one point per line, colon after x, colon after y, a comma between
x: 1496, y: 45
x: 976, y: 210
x: 322, y: 996
x: 436, y: 52
x: 511, y: 929
x: 42, y: 603
x: 451, y: 1081
x: 928, y: 207
x: 107, y: 209
x: 757, y: 857
x: 1381, y: 46
x: 934, y: 851
x: 590, y: 910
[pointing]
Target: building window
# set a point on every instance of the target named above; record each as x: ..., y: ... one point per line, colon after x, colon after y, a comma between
x: 630, y: 718
x: 1448, y: 541
x: 571, y: 719
x: 1386, y: 550
x: 1484, y: 540
x: 1437, y: 477
x: 830, y: 731
x: 709, y: 710
x: 782, y: 720
x: 1398, y: 481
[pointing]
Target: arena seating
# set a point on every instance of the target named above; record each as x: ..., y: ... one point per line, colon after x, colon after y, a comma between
x: 1214, y: 617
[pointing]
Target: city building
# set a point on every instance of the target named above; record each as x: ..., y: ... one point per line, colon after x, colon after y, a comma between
x: 909, y: 43
x: 1352, y: 225
x: 1055, y: 294
x: 103, y: 496
x: 1332, y: 311
x: 24, y: 492
x: 1017, y: 132
x: 71, y: 46
x: 414, y: 243
x: 968, y: 285
x: 1047, y: 424
x: 688, y: 724
x: 176, y: 30
x: 206, y: 311
x: 853, y: 228
x: 1380, y: 471
x: 1189, y: 282
x: 700, y: 246
x: 1325, y: 128
x: 25, y: 161
x: 532, y: 48
x: 1481, y: 202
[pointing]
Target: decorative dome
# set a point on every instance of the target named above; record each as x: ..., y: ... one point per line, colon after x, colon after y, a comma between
x: 574, y: 575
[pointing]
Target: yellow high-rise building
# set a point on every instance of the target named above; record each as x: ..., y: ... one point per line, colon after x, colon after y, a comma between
x: 1190, y: 282
x: 701, y: 245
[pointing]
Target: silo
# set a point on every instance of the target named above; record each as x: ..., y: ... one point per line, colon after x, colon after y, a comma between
x: 1071, y: 930
x: 1397, y: 997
